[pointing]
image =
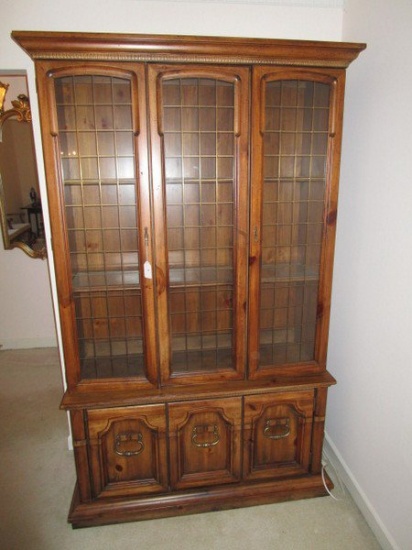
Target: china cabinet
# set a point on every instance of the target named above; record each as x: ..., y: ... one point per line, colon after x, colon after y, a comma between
x: 192, y: 189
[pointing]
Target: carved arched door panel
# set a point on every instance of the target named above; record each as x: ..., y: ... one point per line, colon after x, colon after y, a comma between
x: 277, y: 434
x: 205, y: 442
x: 128, y: 450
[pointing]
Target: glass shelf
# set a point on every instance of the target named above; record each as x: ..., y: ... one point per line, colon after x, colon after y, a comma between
x: 191, y: 277
x: 101, y: 280
x: 289, y: 272
x: 195, y: 276
x: 179, y: 277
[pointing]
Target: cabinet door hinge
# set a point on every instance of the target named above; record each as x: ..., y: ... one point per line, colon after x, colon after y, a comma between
x: 80, y: 443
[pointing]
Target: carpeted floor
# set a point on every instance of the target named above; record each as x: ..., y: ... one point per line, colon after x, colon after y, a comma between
x: 37, y: 479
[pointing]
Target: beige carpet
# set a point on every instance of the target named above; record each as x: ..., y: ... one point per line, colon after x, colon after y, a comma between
x: 37, y: 479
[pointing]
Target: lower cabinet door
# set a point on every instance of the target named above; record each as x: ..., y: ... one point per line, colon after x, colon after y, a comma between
x: 205, y: 442
x: 277, y: 434
x: 128, y: 450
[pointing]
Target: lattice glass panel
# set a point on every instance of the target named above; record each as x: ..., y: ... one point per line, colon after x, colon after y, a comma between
x: 109, y: 327
x: 199, y: 140
x: 295, y: 150
x: 98, y: 169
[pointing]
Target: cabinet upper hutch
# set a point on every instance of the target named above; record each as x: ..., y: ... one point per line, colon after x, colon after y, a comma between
x: 192, y: 189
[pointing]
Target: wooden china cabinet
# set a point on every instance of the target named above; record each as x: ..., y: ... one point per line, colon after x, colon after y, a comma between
x: 192, y: 189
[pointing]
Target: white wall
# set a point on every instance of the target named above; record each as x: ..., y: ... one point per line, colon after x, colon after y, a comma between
x: 26, y: 318
x: 369, y: 413
x: 24, y: 283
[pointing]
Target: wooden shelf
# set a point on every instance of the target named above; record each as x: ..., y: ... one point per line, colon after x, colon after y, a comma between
x: 84, y: 397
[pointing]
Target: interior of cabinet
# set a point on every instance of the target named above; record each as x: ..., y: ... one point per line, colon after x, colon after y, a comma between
x: 198, y: 121
x: 295, y: 143
x: 98, y: 169
x: 199, y: 129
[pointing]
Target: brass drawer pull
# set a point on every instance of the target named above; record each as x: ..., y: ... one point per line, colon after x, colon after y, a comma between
x: 123, y: 440
x: 205, y: 429
x: 276, y: 428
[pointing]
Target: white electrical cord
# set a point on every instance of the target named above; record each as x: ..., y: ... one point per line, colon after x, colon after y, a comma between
x: 325, y: 463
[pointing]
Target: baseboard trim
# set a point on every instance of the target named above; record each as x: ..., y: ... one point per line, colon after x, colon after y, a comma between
x: 26, y: 343
x: 372, y: 518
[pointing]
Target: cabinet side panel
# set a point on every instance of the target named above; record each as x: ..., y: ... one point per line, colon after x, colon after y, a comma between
x: 81, y: 455
x: 318, y: 429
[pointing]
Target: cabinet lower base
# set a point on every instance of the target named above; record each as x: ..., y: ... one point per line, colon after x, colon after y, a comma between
x: 119, y: 510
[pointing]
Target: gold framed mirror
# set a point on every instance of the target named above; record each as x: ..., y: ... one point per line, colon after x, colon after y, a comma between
x: 21, y: 216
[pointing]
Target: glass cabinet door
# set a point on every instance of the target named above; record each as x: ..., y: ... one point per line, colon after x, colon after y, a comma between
x: 105, y: 209
x: 288, y: 218
x: 200, y: 175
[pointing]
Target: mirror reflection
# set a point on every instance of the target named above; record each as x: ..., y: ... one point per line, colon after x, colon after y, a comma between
x: 20, y: 205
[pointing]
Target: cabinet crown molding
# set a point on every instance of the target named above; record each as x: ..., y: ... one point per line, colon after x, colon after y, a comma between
x: 185, y: 49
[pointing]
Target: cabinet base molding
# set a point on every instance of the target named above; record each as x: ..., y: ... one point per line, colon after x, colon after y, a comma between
x: 120, y: 510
